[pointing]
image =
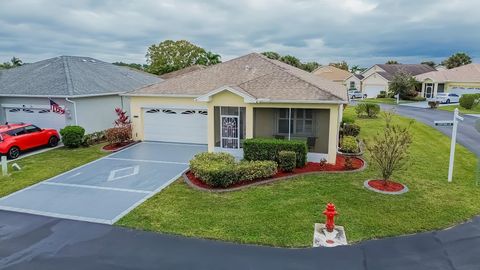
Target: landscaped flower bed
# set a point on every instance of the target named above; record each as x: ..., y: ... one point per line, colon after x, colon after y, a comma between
x: 310, y: 167
x: 387, y: 187
x: 117, y: 146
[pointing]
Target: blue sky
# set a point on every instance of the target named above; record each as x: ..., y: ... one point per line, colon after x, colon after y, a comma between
x: 362, y: 32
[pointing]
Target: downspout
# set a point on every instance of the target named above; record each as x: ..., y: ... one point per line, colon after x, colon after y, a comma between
x: 74, y: 109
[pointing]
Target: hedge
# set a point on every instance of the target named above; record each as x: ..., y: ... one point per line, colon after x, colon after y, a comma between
x: 287, y: 160
x: 468, y: 101
x: 268, y: 149
x: 221, y: 169
x: 72, y: 136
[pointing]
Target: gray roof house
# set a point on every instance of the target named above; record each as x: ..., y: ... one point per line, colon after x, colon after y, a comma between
x: 85, y: 88
x: 378, y: 77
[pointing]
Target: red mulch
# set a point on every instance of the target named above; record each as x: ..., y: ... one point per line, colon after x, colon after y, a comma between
x: 115, y: 146
x: 339, y: 166
x: 389, y: 187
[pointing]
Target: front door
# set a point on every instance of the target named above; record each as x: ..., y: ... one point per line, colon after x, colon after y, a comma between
x: 428, y: 91
x: 230, y: 130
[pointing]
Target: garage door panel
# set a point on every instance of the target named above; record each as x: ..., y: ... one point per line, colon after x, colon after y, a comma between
x: 179, y: 125
x: 373, y: 90
x: 42, y: 118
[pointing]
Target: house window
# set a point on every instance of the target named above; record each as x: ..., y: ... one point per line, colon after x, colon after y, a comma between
x: 301, y: 122
x: 352, y: 85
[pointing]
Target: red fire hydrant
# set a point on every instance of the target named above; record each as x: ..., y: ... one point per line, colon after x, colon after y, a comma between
x: 330, y: 213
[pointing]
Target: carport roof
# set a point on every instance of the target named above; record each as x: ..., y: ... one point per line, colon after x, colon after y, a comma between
x: 70, y: 76
x: 258, y: 76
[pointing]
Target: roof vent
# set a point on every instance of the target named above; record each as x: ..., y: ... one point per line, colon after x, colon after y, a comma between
x: 247, y: 67
x: 84, y: 60
x: 93, y: 61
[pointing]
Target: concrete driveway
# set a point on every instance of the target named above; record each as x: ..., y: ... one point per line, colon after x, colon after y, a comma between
x: 106, y: 189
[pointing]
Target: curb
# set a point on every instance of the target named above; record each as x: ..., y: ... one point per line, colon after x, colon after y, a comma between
x: 121, y: 148
x: 367, y: 186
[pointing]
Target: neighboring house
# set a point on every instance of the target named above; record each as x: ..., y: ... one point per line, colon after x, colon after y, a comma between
x: 181, y: 71
x: 354, y: 82
x: 86, y: 89
x: 246, y: 97
x: 460, y: 80
x: 332, y: 73
x: 377, y: 78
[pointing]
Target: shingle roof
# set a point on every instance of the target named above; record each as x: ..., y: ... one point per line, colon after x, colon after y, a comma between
x: 413, y: 69
x: 72, y: 76
x: 467, y: 73
x: 332, y: 73
x: 257, y: 75
x: 181, y: 72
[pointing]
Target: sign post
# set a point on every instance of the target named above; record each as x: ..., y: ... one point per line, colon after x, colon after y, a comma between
x: 454, y: 124
x: 398, y: 98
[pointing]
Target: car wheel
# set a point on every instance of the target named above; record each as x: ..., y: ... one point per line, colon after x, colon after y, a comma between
x: 448, y: 101
x: 53, y: 141
x: 14, y: 152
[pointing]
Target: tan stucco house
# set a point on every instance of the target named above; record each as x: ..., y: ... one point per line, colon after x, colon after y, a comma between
x: 250, y: 96
x: 460, y: 80
x: 354, y: 82
x: 378, y: 77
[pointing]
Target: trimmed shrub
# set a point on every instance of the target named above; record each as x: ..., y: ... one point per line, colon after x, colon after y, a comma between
x: 382, y: 94
x: 251, y: 170
x: 72, y: 136
x: 417, y: 98
x: 221, y: 169
x: 370, y: 110
x: 268, y: 149
x: 94, y: 138
x: 287, y: 160
x: 118, y: 134
x: 349, y: 144
x: 351, y: 130
x: 348, y: 119
x: 433, y: 104
x: 468, y: 101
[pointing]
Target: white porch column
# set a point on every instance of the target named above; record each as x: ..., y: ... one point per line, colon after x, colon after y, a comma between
x: 423, y: 89
x: 211, y: 127
x: 435, y: 88
x: 249, y: 122
x: 333, y: 135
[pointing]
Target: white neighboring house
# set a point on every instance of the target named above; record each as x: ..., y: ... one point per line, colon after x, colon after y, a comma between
x: 460, y: 80
x: 86, y: 89
x: 354, y: 82
x: 377, y: 78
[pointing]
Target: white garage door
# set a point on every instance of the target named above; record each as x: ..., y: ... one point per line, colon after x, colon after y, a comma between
x: 463, y: 90
x: 175, y: 125
x: 373, y: 90
x: 42, y: 118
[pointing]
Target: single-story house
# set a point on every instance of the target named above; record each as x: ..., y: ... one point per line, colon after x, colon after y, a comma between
x: 378, y: 77
x: 180, y: 72
x: 246, y: 97
x: 332, y: 73
x: 460, y: 80
x: 86, y: 91
x: 354, y: 82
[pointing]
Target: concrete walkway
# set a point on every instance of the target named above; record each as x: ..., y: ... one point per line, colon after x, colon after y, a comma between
x: 38, y: 242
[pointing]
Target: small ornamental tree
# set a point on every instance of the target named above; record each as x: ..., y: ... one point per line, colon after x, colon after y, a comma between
x: 389, y: 149
x: 122, y: 119
x: 122, y: 131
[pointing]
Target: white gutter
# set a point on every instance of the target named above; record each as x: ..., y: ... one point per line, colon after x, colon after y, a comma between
x: 74, y: 109
x: 61, y: 96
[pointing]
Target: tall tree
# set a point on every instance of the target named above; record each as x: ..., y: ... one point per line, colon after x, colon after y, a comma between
x: 457, y: 60
x: 429, y: 63
x: 357, y: 69
x: 131, y: 65
x: 403, y: 83
x: 392, y: 62
x: 272, y: 55
x: 171, y: 55
x: 341, y: 65
x: 14, y: 62
x: 291, y: 60
x: 310, y: 66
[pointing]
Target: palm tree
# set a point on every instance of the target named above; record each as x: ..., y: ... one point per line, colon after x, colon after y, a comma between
x: 16, y: 62
x: 213, y: 58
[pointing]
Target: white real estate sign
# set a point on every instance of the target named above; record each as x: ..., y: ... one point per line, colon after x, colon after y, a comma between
x: 453, y: 123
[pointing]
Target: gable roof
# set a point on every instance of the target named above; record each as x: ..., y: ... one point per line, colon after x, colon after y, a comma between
x: 70, y: 76
x: 256, y: 75
x: 413, y: 69
x: 181, y: 71
x: 332, y: 73
x: 467, y: 73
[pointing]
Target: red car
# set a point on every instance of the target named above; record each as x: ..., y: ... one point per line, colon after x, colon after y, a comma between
x: 15, y: 138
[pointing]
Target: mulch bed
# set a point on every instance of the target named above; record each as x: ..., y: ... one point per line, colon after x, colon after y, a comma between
x: 310, y: 167
x: 390, y: 186
x: 116, y: 146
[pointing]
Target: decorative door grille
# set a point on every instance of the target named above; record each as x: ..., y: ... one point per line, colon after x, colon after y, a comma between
x: 230, y: 132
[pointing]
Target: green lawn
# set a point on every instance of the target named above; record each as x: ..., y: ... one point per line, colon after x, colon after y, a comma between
x: 392, y: 101
x: 45, y: 165
x: 283, y: 213
x: 451, y: 108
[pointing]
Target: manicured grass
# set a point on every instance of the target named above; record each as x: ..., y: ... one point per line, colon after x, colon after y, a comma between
x: 283, y: 213
x: 451, y: 108
x: 42, y: 166
x: 392, y: 101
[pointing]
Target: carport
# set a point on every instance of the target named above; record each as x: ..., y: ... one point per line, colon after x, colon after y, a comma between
x: 106, y: 189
